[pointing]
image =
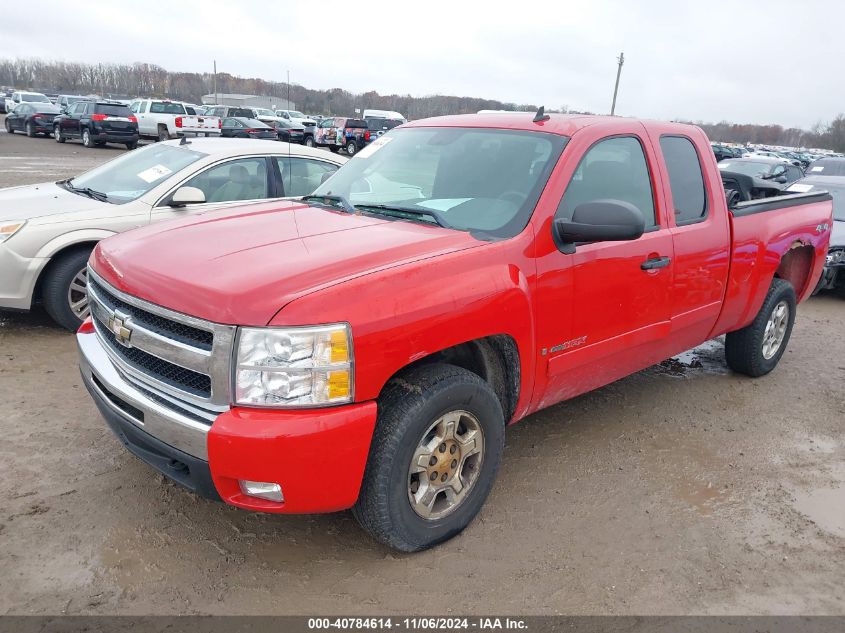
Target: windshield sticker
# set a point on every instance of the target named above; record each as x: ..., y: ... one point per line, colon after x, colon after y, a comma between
x: 154, y: 173
x: 800, y: 188
x: 444, y: 204
x: 723, y: 165
x: 375, y: 146
x: 817, y: 169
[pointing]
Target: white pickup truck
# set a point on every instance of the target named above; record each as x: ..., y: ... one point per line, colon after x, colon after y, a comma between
x: 164, y: 120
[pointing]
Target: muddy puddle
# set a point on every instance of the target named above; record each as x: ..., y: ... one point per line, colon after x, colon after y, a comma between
x: 707, y: 358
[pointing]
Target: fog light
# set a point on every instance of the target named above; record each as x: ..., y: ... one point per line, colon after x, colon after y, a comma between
x: 262, y: 490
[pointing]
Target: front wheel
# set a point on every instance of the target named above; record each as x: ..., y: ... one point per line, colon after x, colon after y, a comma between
x: 756, y: 349
x: 65, y: 289
x: 132, y: 145
x: 309, y: 141
x: 434, y: 456
x: 334, y: 149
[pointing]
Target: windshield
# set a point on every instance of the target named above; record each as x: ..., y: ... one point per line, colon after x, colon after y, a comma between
x: 133, y: 174
x: 747, y: 167
x: 485, y: 180
x: 34, y: 98
x: 296, y: 115
x: 263, y: 112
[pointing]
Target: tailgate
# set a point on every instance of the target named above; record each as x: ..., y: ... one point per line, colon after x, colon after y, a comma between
x: 200, y: 123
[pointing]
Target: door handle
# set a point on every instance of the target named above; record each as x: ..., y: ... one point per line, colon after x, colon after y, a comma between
x: 655, y: 262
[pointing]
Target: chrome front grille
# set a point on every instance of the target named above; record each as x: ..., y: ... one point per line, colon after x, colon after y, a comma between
x: 182, y: 359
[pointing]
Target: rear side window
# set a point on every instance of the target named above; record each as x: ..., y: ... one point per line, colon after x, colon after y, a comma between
x: 614, y: 168
x: 685, y: 178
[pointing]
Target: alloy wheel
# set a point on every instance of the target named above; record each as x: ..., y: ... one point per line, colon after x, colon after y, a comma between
x: 446, y: 464
x: 775, y: 330
x: 77, y: 295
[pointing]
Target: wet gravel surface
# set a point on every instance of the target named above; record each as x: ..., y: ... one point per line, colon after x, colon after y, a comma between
x: 680, y: 489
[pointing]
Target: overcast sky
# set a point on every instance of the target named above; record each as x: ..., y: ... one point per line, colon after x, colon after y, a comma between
x: 769, y: 61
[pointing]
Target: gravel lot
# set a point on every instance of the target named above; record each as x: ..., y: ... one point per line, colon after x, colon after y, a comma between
x: 681, y: 489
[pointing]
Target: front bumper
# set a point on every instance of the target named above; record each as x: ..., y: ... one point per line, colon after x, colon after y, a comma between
x: 317, y: 456
x: 17, y: 278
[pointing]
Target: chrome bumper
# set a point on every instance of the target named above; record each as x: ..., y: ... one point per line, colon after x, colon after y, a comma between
x: 157, y: 417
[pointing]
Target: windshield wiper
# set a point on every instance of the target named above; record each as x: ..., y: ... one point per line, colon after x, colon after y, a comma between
x: 332, y: 201
x: 430, y: 213
x: 85, y: 191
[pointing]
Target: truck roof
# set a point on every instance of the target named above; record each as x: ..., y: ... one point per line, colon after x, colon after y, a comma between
x: 563, y: 124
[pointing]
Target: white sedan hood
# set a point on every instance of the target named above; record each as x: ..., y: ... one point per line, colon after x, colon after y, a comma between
x: 44, y: 199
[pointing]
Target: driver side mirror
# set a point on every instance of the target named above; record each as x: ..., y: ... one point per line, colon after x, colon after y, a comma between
x: 598, y: 221
x: 781, y: 179
x: 186, y: 195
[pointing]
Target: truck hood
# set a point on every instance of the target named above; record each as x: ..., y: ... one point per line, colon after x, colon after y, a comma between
x: 44, y: 199
x: 241, y: 266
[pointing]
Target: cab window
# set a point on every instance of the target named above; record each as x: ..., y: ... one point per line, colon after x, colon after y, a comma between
x: 614, y: 168
x: 686, y: 180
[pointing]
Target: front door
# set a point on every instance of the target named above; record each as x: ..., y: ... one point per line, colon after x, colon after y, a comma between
x: 606, y: 307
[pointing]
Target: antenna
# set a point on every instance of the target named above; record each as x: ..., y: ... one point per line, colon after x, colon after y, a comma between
x: 541, y: 115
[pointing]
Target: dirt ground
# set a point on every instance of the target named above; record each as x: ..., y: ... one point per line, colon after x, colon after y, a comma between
x: 681, y: 489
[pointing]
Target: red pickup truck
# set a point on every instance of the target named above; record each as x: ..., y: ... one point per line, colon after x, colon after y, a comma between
x: 365, y: 347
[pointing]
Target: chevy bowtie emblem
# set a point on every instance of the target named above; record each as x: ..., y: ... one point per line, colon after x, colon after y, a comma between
x: 121, y: 328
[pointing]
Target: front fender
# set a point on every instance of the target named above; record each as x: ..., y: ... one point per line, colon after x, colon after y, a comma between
x: 71, y: 238
x: 403, y: 314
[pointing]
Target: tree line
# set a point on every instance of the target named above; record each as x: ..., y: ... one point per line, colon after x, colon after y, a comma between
x: 140, y: 79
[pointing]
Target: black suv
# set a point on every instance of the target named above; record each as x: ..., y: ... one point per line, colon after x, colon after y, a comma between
x: 97, y: 123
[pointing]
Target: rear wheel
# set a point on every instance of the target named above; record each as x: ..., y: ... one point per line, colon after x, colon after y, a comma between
x: 434, y: 457
x: 309, y: 141
x: 756, y: 349
x: 132, y: 145
x: 57, y: 134
x: 163, y: 134
x: 87, y: 139
x: 30, y: 129
x: 351, y: 148
x: 65, y: 289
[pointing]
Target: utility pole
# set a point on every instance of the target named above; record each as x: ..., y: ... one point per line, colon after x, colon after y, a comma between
x: 621, y: 60
x: 215, y: 82
x: 290, y: 105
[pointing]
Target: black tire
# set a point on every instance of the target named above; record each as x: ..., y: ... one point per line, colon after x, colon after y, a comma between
x: 744, y: 348
x: 351, y: 148
x: 309, y: 141
x: 8, y: 125
x: 132, y: 145
x: 57, y: 134
x: 163, y: 134
x: 56, y: 286
x: 408, y: 406
x: 30, y: 129
x: 334, y: 149
x: 87, y: 140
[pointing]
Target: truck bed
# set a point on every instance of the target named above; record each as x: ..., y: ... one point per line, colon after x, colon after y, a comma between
x: 784, y: 236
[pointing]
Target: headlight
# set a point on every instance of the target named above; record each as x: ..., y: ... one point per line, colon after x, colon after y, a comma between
x: 294, y: 367
x: 836, y: 257
x: 8, y: 230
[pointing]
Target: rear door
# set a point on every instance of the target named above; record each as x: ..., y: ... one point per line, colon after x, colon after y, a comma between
x: 700, y: 233
x: 606, y: 308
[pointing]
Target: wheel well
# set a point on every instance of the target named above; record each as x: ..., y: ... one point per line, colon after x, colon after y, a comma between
x: 796, y: 266
x: 493, y: 358
x: 73, y: 248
